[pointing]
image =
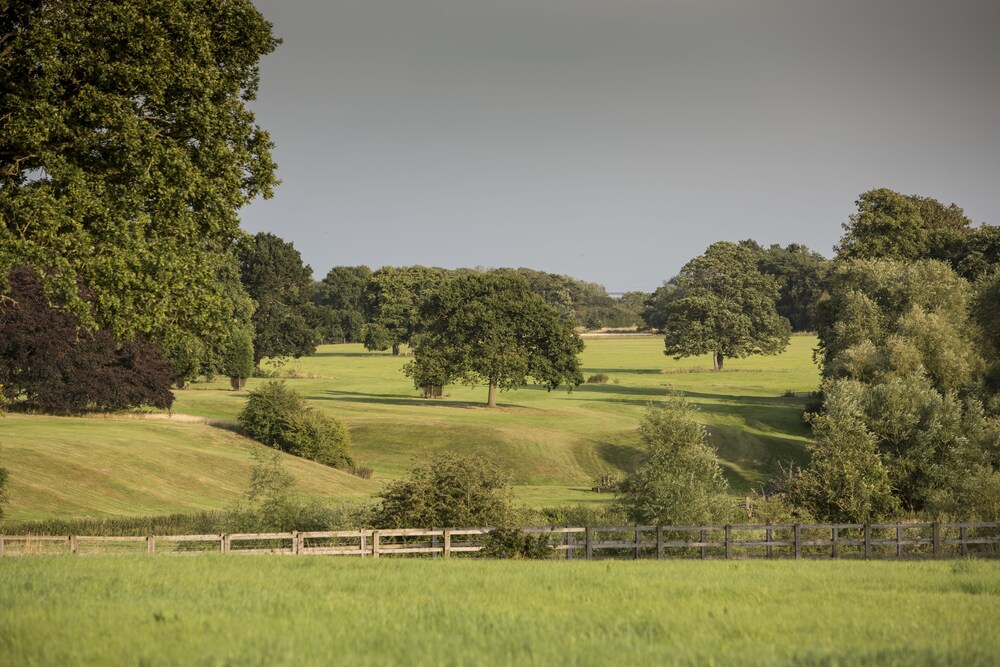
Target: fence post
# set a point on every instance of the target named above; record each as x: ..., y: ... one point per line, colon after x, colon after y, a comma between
x: 295, y: 542
x: 73, y: 545
x: 868, y: 541
x: 1, y: 545
x: 798, y: 541
x: 362, y: 545
x: 835, y: 540
x: 963, y: 536
x: 638, y: 543
x: 899, y: 540
x: 704, y: 549
x: 590, y: 543
x: 224, y: 543
x: 936, y: 539
x: 447, y: 543
x: 375, y: 538
x: 570, y: 542
x: 659, y: 543
x: 729, y: 541
x: 434, y: 546
x: 151, y: 544
x: 768, y: 535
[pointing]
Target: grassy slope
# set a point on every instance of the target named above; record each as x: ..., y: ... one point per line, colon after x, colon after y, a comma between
x: 65, y: 467
x: 320, y: 610
x: 553, y: 442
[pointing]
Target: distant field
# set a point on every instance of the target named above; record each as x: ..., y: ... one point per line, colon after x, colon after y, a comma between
x: 217, y: 610
x: 554, y: 443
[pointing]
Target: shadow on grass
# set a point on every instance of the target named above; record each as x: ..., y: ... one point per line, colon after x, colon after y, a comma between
x: 402, y: 399
x: 625, y: 457
x: 623, y: 371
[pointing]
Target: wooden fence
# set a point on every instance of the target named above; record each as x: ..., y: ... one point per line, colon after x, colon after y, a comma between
x: 864, y: 541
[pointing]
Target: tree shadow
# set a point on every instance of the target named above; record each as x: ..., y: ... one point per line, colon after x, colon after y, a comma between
x: 402, y: 399
x: 624, y: 457
x: 630, y: 371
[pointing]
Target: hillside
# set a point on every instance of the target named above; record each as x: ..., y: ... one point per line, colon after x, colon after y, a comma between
x: 554, y: 443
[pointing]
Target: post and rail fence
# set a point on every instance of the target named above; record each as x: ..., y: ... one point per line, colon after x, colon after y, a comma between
x: 793, y: 541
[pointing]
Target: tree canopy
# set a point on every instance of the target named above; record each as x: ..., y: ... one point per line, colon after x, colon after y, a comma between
x: 274, y: 276
x: 726, y: 307
x: 491, y: 328
x: 394, y: 296
x: 341, y: 294
x: 126, y: 149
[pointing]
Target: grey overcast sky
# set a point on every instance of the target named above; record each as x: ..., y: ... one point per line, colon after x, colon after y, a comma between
x: 613, y: 140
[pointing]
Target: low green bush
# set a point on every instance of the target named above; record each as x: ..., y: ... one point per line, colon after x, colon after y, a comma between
x: 598, y: 378
x: 278, y: 416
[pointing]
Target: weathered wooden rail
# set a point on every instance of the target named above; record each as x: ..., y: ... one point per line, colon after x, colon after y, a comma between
x: 795, y: 541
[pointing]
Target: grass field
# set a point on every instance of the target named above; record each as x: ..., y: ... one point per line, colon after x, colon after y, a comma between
x: 554, y: 443
x: 217, y: 610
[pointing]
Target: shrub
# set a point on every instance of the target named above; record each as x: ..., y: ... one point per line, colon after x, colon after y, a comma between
x: 607, y: 483
x: 508, y: 542
x: 680, y: 481
x: 361, y: 471
x: 448, y: 490
x: 599, y: 378
x: 278, y: 416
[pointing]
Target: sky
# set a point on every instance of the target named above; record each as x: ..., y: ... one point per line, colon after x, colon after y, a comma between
x: 614, y: 140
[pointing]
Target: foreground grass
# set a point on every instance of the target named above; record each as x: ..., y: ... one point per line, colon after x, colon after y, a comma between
x: 214, y: 610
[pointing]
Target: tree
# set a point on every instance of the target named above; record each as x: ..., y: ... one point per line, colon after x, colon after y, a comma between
x: 490, y: 327
x: 679, y: 481
x: 727, y: 308
x: 342, y: 291
x: 654, y: 311
x: 447, y: 491
x: 800, y: 273
x: 889, y: 225
x: 846, y: 480
x: 126, y: 149
x: 273, y: 275
x: 49, y: 362
x: 394, y: 296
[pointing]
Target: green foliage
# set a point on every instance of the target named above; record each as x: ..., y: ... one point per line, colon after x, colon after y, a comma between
x: 126, y: 150
x: 514, y: 543
x: 800, y: 273
x: 47, y: 361
x: 237, y: 360
x: 491, y: 328
x: 342, y: 294
x: 889, y: 225
x: 727, y: 307
x: 680, y: 481
x: 585, y: 304
x: 394, y: 297
x: 275, y: 277
x: 654, y: 307
x: 846, y: 480
x: 447, y: 491
x: 278, y: 416
x: 598, y: 378
x: 887, y: 318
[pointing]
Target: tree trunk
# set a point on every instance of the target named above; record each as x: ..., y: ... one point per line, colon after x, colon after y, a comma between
x: 491, y: 402
x: 395, y: 349
x: 717, y: 361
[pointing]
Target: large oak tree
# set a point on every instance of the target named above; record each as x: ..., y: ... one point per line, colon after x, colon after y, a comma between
x: 490, y: 328
x: 126, y: 150
x: 726, y: 307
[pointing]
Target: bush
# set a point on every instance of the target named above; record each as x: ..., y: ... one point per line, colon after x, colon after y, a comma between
x: 599, y: 378
x: 680, y: 481
x: 361, y: 471
x: 507, y: 542
x: 447, y: 491
x: 278, y: 416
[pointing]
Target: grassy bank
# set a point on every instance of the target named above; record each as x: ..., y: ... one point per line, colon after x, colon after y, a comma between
x: 212, y: 610
x: 553, y: 443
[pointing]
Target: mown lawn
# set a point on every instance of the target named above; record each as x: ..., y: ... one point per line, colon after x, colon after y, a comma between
x: 263, y: 610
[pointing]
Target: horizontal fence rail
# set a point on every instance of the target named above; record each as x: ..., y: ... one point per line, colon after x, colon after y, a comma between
x: 795, y: 541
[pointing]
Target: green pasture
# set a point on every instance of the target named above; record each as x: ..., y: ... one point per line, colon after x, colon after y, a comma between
x: 320, y: 610
x: 554, y: 443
